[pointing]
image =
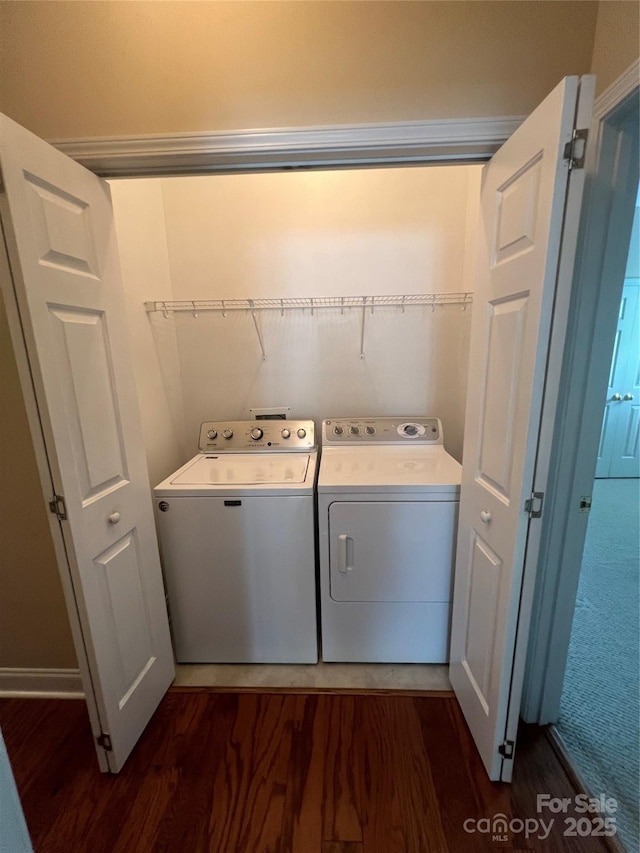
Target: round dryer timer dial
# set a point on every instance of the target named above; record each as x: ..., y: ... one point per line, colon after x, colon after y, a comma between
x: 411, y: 430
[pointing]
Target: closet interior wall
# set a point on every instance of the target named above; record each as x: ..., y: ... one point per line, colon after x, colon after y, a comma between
x: 365, y: 232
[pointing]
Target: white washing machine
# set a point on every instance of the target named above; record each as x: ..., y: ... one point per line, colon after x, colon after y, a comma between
x: 388, y: 496
x: 237, y: 534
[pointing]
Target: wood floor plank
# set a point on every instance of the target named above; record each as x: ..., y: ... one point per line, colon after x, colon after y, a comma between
x: 98, y: 806
x: 269, y: 773
x: 399, y: 804
x: 201, y: 748
x: 342, y: 796
x: 250, y: 784
x: 49, y: 758
x: 462, y: 788
x: 302, y: 818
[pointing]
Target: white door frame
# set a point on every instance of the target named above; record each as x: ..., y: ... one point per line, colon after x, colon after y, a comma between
x: 468, y: 140
x: 611, y: 190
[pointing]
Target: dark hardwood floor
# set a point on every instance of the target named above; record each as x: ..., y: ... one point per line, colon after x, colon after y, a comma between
x: 247, y: 772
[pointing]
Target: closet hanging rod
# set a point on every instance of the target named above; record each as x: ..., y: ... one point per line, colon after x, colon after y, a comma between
x: 313, y: 303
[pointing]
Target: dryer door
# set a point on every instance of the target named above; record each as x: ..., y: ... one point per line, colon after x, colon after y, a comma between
x: 392, y: 550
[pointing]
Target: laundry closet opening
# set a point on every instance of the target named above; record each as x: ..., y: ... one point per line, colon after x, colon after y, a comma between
x: 323, y: 236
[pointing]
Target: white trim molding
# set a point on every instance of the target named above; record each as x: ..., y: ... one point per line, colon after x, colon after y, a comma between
x: 611, y: 173
x: 620, y: 89
x: 41, y: 683
x: 451, y: 140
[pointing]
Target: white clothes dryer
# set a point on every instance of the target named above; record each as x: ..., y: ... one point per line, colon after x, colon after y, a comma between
x: 237, y: 534
x: 388, y: 496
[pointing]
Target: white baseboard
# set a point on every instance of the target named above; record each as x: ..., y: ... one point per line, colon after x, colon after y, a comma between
x: 40, y: 683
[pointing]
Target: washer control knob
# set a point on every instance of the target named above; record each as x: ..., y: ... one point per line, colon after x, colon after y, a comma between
x: 286, y: 433
x: 256, y: 433
x: 354, y: 430
x: 227, y: 433
x: 370, y: 430
x: 301, y: 432
x: 212, y: 433
x: 338, y: 430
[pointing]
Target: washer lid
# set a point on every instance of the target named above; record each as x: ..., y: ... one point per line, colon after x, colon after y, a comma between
x: 418, y: 468
x: 244, y: 469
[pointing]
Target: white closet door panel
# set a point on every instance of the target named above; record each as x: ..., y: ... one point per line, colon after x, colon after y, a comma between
x: 619, y: 451
x: 522, y: 214
x: 58, y: 225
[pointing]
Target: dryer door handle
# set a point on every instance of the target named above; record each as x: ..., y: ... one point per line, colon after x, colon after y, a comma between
x: 345, y: 553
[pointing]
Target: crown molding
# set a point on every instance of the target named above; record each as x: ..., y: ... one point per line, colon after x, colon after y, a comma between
x: 459, y: 140
x: 617, y: 92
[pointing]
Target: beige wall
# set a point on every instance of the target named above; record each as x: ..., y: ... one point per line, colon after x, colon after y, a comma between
x: 34, y: 631
x: 617, y: 40
x: 144, y: 265
x: 317, y: 234
x: 73, y: 69
x: 346, y: 232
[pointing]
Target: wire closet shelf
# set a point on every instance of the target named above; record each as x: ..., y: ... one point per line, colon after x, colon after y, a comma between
x: 364, y: 303
x: 312, y: 303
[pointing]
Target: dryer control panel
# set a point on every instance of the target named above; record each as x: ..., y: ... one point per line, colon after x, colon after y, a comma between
x: 248, y: 436
x: 407, y: 430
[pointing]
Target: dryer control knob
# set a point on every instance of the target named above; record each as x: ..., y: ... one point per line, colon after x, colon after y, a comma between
x: 354, y: 430
x: 286, y: 433
x: 370, y: 430
x: 256, y: 433
x: 338, y: 430
x: 227, y: 433
x: 301, y: 432
x: 212, y: 433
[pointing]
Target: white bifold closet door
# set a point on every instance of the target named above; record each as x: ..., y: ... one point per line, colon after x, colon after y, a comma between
x: 523, y: 217
x: 64, y: 275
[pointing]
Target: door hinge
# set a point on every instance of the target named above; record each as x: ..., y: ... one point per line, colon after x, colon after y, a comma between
x: 533, y: 505
x: 585, y: 503
x: 58, y: 507
x: 574, y: 151
x: 506, y: 749
x: 104, y: 740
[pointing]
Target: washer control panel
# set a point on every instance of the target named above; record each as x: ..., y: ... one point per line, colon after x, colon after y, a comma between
x: 419, y: 430
x: 247, y: 436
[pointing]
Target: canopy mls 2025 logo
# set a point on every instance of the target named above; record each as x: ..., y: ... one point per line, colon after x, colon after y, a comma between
x: 591, y: 817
